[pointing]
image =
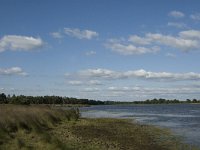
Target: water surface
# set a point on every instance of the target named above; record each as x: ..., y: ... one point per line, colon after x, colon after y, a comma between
x: 182, y: 119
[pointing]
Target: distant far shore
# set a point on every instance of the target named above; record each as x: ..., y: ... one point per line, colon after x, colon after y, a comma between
x: 68, y: 101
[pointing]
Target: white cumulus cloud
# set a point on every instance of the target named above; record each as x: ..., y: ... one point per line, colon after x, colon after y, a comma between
x: 190, y: 34
x: 177, y: 24
x: 20, y: 43
x: 139, y: 40
x: 89, y: 53
x: 12, y: 71
x: 140, y: 74
x: 94, y: 89
x: 57, y: 35
x: 88, y: 83
x: 195, y: 17
x: 176, y: 14
x: 185, y: 44
x: 171, y: 55
x: 100, y: 73
x: 80, y: 34
x: 186, y: 40
x: 75, y: 82
x: 130, y: 49
x: 158, y: 91
x: 94, y: 82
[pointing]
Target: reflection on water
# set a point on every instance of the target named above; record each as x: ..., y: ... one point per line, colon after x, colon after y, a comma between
x: 183, y: 119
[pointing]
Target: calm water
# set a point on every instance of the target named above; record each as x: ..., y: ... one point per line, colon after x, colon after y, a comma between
x: 183, y: 119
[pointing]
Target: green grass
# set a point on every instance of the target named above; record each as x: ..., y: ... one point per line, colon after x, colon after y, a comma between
x: 27, y: 127
x: 45, y: 128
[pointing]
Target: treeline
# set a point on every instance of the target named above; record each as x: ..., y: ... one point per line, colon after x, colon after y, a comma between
x: 153, y: 101
x: 26, y: 100
x: 21, y: 99
x: 166, y: 101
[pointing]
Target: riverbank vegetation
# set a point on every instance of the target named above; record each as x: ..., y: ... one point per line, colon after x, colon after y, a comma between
x: 43, y: 127
x: 27, y: 126
x: 58, y: 100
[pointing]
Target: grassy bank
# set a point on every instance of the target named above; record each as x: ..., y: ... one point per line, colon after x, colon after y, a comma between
x: 42, y: 127
x: 27, y: 127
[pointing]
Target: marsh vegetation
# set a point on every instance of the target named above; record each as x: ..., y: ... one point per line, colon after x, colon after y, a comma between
x: 44, y: 127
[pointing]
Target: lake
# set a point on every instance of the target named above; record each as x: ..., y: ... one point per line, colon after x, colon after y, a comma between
x: 182, y: 119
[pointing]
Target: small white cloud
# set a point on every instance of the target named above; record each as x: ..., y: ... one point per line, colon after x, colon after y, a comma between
x: 195, y: 17
x: 171, y: 55
x: 89, y: 53
x: 67, y: 74
x: 88, y: 83
x: 57, y: 35
x: 20, y: 43
x: 102, y: 73
x: 75, y: 82
x: 13, y: 71
x: 95, y: 82
x: 80, y: 34
x: 130, y: 49
x: 91, y: 89
x: 176, y: 14
x: 190, y: 34
x: 177, y: 24
x: 2, y: 89
x: 139, y: 40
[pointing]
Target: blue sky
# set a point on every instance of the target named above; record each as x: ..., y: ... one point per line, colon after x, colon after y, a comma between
x: 107, y: 50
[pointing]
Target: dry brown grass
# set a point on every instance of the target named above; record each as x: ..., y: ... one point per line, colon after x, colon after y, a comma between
x: 18, y: 123
x: 14, y: 117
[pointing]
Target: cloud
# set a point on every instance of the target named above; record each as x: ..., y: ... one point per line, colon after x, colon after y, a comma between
x: 95, y: 82
x: 184, y: 44
x: 89, y: 53
x: 80, y: 34
x: 74, y: 82
x: 140, y: 74
x: 162, y: 75
x: 100, y: 73
x: 80, y: 83
x: 176, y: 14
x: 190, y: 34
x: 186, y: 40
x: 195, y: 17
x: 57, y: 35
x: 158, y: 91
x: 13, y: 71
x: 177, y: 24
x: 130, y: 49
x: 91, y: 89
x: 139, y: 40
x: 171, y: 55
x: 124, y: 89
x: 20, y: 43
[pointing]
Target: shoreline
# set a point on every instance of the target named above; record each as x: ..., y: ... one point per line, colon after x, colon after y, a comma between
x: 63, y: 129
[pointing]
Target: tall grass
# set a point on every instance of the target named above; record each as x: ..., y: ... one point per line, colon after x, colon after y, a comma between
x: 15, y: 119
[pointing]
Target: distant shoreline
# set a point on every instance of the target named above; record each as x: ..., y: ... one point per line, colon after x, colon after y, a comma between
x: 58, y: 100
